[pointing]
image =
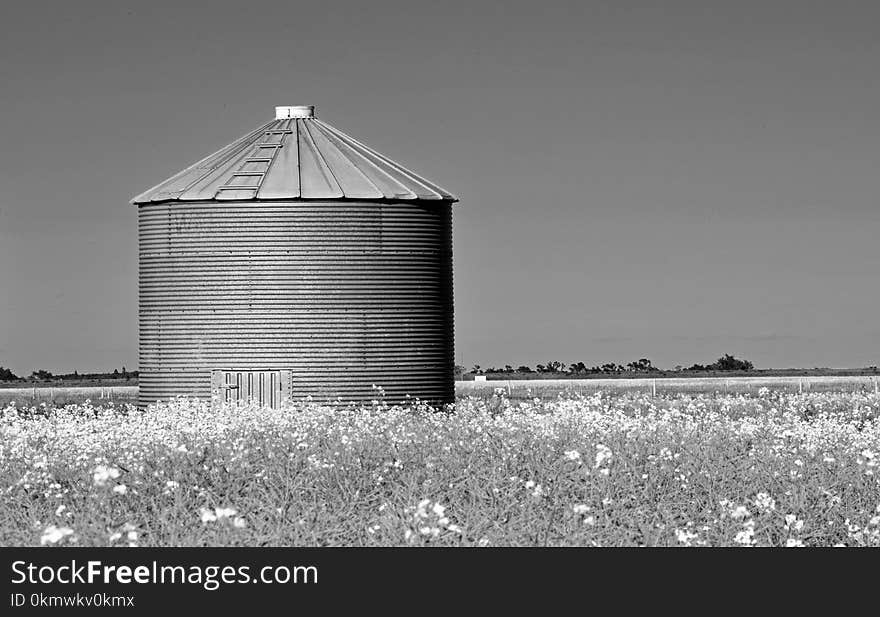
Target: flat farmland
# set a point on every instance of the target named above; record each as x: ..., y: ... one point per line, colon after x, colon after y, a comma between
x: 60, y: 395
x: 542, y: 388
x: 516, y: 388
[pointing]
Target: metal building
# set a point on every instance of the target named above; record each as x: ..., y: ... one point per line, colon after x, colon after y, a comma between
x: 295, y: 262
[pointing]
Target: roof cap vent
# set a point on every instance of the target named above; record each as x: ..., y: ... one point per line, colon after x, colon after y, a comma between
x: 295, y: 111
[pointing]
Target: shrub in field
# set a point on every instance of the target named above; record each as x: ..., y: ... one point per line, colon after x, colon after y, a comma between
x: 767, y: 470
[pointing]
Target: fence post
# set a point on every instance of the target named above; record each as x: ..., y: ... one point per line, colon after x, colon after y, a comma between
x: 800, y: 385
x: 653, y: 388
x: 875, y: 385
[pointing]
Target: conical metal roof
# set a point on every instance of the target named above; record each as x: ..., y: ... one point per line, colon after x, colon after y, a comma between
x: 295, y: 156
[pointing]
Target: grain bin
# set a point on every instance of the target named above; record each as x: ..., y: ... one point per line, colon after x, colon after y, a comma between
x: 295, y: 262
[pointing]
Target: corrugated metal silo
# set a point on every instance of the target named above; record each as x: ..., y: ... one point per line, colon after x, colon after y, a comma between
x: 296, y: 262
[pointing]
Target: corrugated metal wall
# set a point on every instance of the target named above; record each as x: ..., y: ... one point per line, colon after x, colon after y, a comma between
x: 343, y: 294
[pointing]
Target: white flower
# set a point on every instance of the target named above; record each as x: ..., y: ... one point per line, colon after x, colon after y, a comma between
x: 747, y: 535
x: 102, y: 474
x: 572, y: 455
x: 224, y: 512
x: 207, y: 515
x: 744, y: 537
x: 60, y: 509
x: 793, y: 542
x: 53, y: 534
x: 793, y: 521
x: 685, y: 537
x: 764, y: 502
x: 239, y: 523
x: 603, y: 454
x: 120, y: 489
x: 581, y: 508
x: 740, y: 512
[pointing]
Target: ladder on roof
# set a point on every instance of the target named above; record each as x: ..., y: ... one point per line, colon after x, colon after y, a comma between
x: 246, y: 181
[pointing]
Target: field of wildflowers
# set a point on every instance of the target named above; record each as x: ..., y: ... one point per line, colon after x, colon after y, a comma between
x: 760, y: 469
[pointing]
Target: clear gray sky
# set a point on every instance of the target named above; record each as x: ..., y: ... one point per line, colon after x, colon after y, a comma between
x: 672, y: 180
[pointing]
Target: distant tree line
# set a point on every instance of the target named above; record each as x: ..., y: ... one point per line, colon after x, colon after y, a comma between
x: 44, y: 375
x: 641, y: 366
x: 725, y: 363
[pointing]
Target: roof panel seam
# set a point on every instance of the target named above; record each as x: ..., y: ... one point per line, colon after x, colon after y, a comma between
x: 324, y: 159
x: 424, y: 182
x: 364, y: 160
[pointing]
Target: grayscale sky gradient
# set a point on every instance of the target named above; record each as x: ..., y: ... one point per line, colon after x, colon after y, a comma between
x: 671, y: 180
